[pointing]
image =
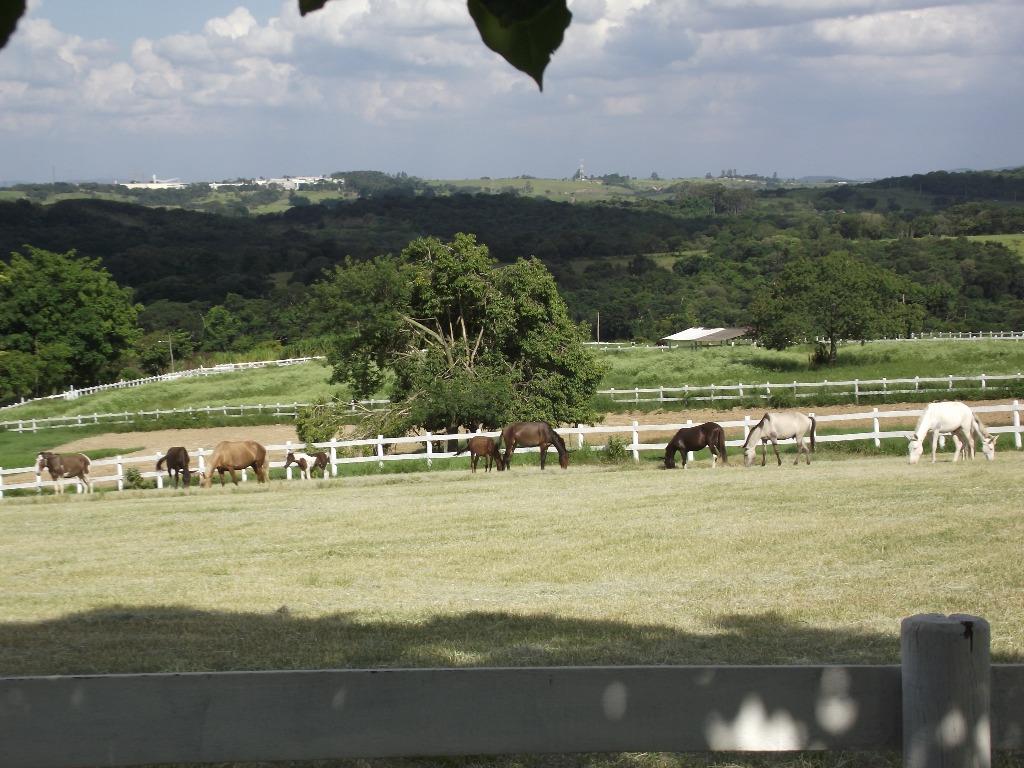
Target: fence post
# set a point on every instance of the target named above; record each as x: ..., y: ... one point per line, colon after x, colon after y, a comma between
x: 661, y: 394
x: 874, y: 426
x: 917, y: 383
x: 288, y: 469
x: 741, y: 390
x: 39, y: 481
x: 856, y: 390
x: 430, y: 451
x: 951, y: 381
x: 636, y: 394
x: 946, y: 671
x: 1, y: 482
x: 1016, y: 424
x: 885, y: 386
x: 120, y: 474
x: 34, y: 427
x: 983, y: 381
x: 334, y: 459
x: 380, y: 451
x: 636, y: 441
x: 159, y: 475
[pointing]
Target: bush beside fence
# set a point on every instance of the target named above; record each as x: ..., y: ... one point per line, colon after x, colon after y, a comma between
x: 397, y: 449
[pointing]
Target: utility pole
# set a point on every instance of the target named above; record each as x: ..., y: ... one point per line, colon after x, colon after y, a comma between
x: 599, y: 326
x: 170, y: 348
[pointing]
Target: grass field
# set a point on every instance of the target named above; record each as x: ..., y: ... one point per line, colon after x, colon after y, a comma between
x: 592, y: 565
x: 625, y: 369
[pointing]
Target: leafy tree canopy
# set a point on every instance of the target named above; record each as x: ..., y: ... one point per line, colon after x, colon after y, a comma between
x: 833, y: 297
x: 63, y: 320
x: 456, y: 339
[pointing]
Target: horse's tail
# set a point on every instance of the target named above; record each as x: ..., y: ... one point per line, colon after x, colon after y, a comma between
x: 160, y: 463
x: 814, y: 426
x: 720, y: 444
x: 463, y: 449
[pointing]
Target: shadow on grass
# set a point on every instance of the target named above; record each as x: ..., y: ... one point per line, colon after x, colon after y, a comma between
x: 122, y: 639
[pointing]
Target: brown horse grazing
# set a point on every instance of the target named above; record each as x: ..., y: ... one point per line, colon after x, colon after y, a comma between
x: 707, y: 435
x: 65, y: 465
x: 177, y: 462
x: 482, y: 446
x: 533, y: 433
x: 236, y: 454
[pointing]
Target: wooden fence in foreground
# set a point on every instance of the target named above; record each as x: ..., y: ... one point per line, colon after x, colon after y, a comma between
x: 421, y: 447
x: 945, y: 705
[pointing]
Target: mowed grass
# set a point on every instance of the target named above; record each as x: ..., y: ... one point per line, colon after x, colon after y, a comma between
x: 751, y: 365
x: 591, y: 565
x: 287, y: 384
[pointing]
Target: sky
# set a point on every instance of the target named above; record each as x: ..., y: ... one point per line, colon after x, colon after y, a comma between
x: 206, y: 90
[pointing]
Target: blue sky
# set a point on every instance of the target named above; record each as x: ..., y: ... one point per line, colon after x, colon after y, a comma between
x: 214, y: 89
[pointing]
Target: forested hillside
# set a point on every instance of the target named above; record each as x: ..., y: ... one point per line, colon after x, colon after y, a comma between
x: 695, y: 252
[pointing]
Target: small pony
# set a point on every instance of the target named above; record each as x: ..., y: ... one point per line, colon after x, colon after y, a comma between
x: 307, y: 463
x: 481, y: 445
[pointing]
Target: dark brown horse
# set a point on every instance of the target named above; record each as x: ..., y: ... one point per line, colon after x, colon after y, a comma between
x: 707, y: 435
x: 527, y: 434
x: 481, y: 445
x: 177, y: 462
x: 230, y: 455
x: 65, y: 465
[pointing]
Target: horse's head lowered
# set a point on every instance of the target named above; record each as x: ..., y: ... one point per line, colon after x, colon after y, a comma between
x: 914, y: 449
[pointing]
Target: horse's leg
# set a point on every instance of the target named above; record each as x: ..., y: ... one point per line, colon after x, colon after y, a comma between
x: 764, y: 451
x: 510, y: 448
x: 935, y: 443
x: 473, y: 459
x: 543, y: 454
x: 775, y: 446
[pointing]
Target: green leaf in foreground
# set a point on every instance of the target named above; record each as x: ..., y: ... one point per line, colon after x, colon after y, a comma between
x: 10, y: 12
x: 524, y: 33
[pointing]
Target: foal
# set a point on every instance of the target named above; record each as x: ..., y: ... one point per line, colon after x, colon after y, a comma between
x: 480, y: 445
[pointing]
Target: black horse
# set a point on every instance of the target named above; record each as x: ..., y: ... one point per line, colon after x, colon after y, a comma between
x: 533, y: 433
x: 176, y: 460
x: 707, y: 435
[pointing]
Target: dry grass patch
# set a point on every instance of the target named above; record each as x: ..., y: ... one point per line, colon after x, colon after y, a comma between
x: 588, y: 566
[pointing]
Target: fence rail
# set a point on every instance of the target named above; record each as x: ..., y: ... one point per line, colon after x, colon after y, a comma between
x: 389, y: 449
x: 855, y: 388
x: 73, y: 394
x: 124, y: 417
x: 945, y: 674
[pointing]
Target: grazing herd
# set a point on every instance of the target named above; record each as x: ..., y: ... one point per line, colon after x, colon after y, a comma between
x: 944, y: 418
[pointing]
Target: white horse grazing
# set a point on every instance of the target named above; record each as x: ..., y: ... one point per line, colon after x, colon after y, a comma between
x: 957, y: 419
x: 775, y: 427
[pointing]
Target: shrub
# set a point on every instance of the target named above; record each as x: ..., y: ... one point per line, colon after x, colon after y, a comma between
x: 615, y: 450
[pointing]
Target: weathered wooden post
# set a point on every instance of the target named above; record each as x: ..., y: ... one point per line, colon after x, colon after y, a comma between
x: 946, y: 691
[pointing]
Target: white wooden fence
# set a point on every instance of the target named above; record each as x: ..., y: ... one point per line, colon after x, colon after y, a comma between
x: 944, y: 705
x: 854, y: 389
x: 421, y: 447
x: 125, y: 417
x: 72, y: 393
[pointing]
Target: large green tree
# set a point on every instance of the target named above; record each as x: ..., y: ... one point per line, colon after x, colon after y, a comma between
x: 834, y: 297
x: 455, y: 339
x: 63, y: 320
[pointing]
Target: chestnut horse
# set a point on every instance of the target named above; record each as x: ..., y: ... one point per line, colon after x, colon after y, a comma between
x: 707, y: 435
x: 236, y: 454
x: 533, y: 433
x: 480, y: 445
x: 177, y: 461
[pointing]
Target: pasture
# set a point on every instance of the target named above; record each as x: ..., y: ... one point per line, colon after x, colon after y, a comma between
x: 592, y: 565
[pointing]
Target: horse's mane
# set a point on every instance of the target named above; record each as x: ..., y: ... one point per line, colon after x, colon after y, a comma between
x: 557, y: 438
x: 754, y: 429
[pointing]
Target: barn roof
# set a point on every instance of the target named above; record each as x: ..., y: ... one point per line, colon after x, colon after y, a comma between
x: 700, y: 334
